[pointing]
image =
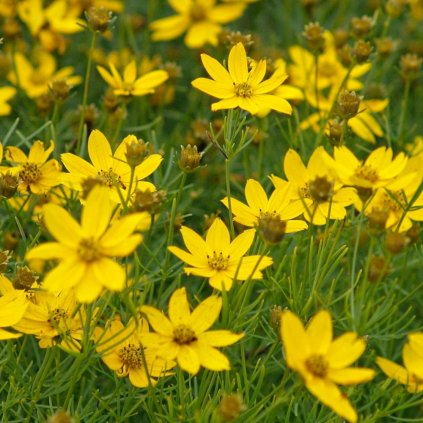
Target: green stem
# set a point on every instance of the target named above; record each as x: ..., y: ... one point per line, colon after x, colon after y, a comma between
x: 85, y: 92
x: 403, y: 112
x: 228, y: 194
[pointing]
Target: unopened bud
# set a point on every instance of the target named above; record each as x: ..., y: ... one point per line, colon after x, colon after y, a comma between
x: 60, y: 90
x: 232, y: 38
x: 5, y: 256
x: 321, y: 190
x: 11, y: 28
x: 24, y: 278
x: 396, y: 242
x: 410, y: 66
x: 99, y: 18
x: 44, y: 103
x: 394, y: 8
x: 335, y: 132
x: 230, y: 407
x: 413, y: 234
x: 344, y: 54
x: 271, y: 228
x: 190, y: 158
x: 340, y: 37
x: 347, y: 105
x: 10, y: 240
x: 377, y: 218
x: 275, y: 317
x: 361, y: 26
x: 136, y: 150
x: 60, y: 417
x: 149, y: 201
x: 361, y: 51
x: 385, y: 46
x: 8, y: 185
x: 378, y: 269
x: 313, y: 33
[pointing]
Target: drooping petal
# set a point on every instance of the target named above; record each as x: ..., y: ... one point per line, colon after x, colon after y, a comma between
x: 205, y: 314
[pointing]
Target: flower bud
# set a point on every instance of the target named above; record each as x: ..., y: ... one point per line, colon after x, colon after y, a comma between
x: 190, y: 158
x: 340, y: 37
x: 149, y: 201
x: 10, y: 240
x: 361, y: 51
x: 60, y: 90
x: 8, y: 185
x: 335, y: 132
x: 385, y: 46
x: 60, y: 417
x: 410, y: 67
x: 5, y: 256
x: 321, y: 189
x: 395, y: 242
x: 24, y: 278
x: 99, y: 19
x: 136, y: 150
x: 232, y: 38
x: 361, y: 26
x: 347, y: 104
x: 313, y: 33
x: 413, y: 234
x: 231, y: 406
x: 271, y: 228
x: 378, y: 269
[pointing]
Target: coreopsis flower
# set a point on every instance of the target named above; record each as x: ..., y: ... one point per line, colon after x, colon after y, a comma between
x: 50, y: 23
x: 36, y: 173
x: 316, y: 187
x: 219, y: 259
x: 35, y: 81
x: 108, y: 168
x: 322, y: 361
x: 53, y: 319
x: 259, y: 207
x: 240, y: 87
x: 185, y: 337
x: 85, y: 5
x: 201, y: 20
x: 6, y: 94
x: 85, y: 251
x: 411, y: 374
x: 121, y: 349
x: 12, y: 308
x: 130, y: 85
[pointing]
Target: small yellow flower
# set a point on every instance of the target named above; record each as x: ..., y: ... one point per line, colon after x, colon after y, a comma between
x: 201, y: 19
x: 323, y: 362
x: 260, y: 207
x: 36, y: 174
x: 316, y: 187
x: 86, y: 250
x: 219, y: 259
x: 130, y: 85
x: 240, y: 87
x: 184, y: 336
x: 6, y: 94
x: 111, y: 170
x: 122, y: 351
x: 412, y: 374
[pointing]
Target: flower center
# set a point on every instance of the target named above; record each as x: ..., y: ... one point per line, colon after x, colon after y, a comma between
x: 317, y: 365
x: 327, y: 68
x: 57, y: 316
x: 89, y: 250
x: 197, y: 12
x: 218, y: 261
x: 183, y: 335
x: 38, y: 79
x: 30, y: 173
x: 131, y: 356
x: 366, y: 172
x: 111, y: 178
x: 394, y: 201
x: 243, y: 90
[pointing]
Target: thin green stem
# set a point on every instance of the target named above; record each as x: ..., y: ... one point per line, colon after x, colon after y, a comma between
x: 404, y: 110
x: 228, y: 194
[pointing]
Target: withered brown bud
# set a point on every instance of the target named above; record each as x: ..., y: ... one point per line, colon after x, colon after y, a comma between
x: 378, y: 269
x: 271, y: 228
x: 230, y: 407
x: 136, y: 150
x: 149, y: 201
x: 61, y: 417
x: 361, y: 26
x: 99, y: 18
x: 413, y: 234
x: 60, y: 90
x: 137, y: 22
x: 44, y: 103
x: 385, y: 46
x: 347, y: 104
x: 5, y: 256
x: 340, y: 37
x: 8, y: 185
x: 89, y: 183
x: 10, y: 240
x: 410, y: 66
x: 190, y: 158
x: 313, y: 33
x: 275, y: 317
x: 173, y: 70
x: 232, y: 38
x: 377, y: 218
x: 321, y: 189
x: 111, y: 101
x: 395, y: 242
x: 335, y: 132
x: 345, y: 55
x: 24, y: 278
x: 361, y: 51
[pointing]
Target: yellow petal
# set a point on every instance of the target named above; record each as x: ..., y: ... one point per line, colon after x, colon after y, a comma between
x: 351, y: 376
x: 159, y: 322
x: 213, y: 88
x: 226, y: 13
x: 218, y: 238
x: 130, y: 73
x: 4, y: 334
x: 220, y: 280
x: 109, y: 274
x: 393, y: 370
x: 138, y: 378
x: 319, y: 332
x: 50, y: 250
x: 250, y: 267
x: 188, y: 258
x: 148, y: 166
x: 294, y: 168
x: 413, y: 360
x: 195, y: 244
x: 227, y: 103
x: 88, y: 290
x: 75, y: 164
x: 216, y: 70
x: 188, y: 359
x: 12, y: 308
x: 219, y: 338
x: 202, y: 32
x: 169, y: 28
x: 205, y: 314
x: 96, y: 213
x: 211, y: 358
x: 15, y: 154
x: 241, y: 244
x: 243, y: 214
x: 345, y: 349
x: 273, y: 102
x: 256, y: 196
x: 237, y: 64
x: 179, y: 311
x: 65, y: 276
x: 99, y: 150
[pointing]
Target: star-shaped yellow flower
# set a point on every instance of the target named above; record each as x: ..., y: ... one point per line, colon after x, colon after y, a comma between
x: 240, y: 87
x: 323, y: 362
x: 184, y: 336
x: 86, y: 250
x: 219, y: 259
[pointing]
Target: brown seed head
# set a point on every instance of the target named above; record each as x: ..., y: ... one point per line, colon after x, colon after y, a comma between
x: 271, y: 228
x: 24, y: 278
x: 60, y: 90
x: 321, y: 189
x: 231, y: 38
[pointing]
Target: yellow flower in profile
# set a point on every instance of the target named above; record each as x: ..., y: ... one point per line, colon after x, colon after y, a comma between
x: 201, y: 19
x: 260, y: 207
x: 185, y: 337
x: 412, y: 374
x: 6, y: 94
x: 322, y: 361
x: 316, y: 187
x: 36, y: 174
x: 36, y: 80
x: 108, y: 168
x: 12, y: 308
x: 121, y: 349
x: 130, y: 85
x: 86, y: 251
x: 240, y: 87
x: 219, y: 259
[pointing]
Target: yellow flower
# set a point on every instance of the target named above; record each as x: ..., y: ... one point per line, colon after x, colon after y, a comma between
x: 85, y: 250
x: 316, y: 187
x: 241, y: 87
x: 185, y: 336
x: 130, y: 85
x: 323, y: 362
x: 412, y: 374
x: 260, y: 207
x: 12, y: 308
x: 219, y: 259
x: 36, y: 81
x: 6, y: 93
x: 202, y: 19
x: 36, y: 173
x: 85, y: 5
x: 110, y: 170
x: 122, y: 351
